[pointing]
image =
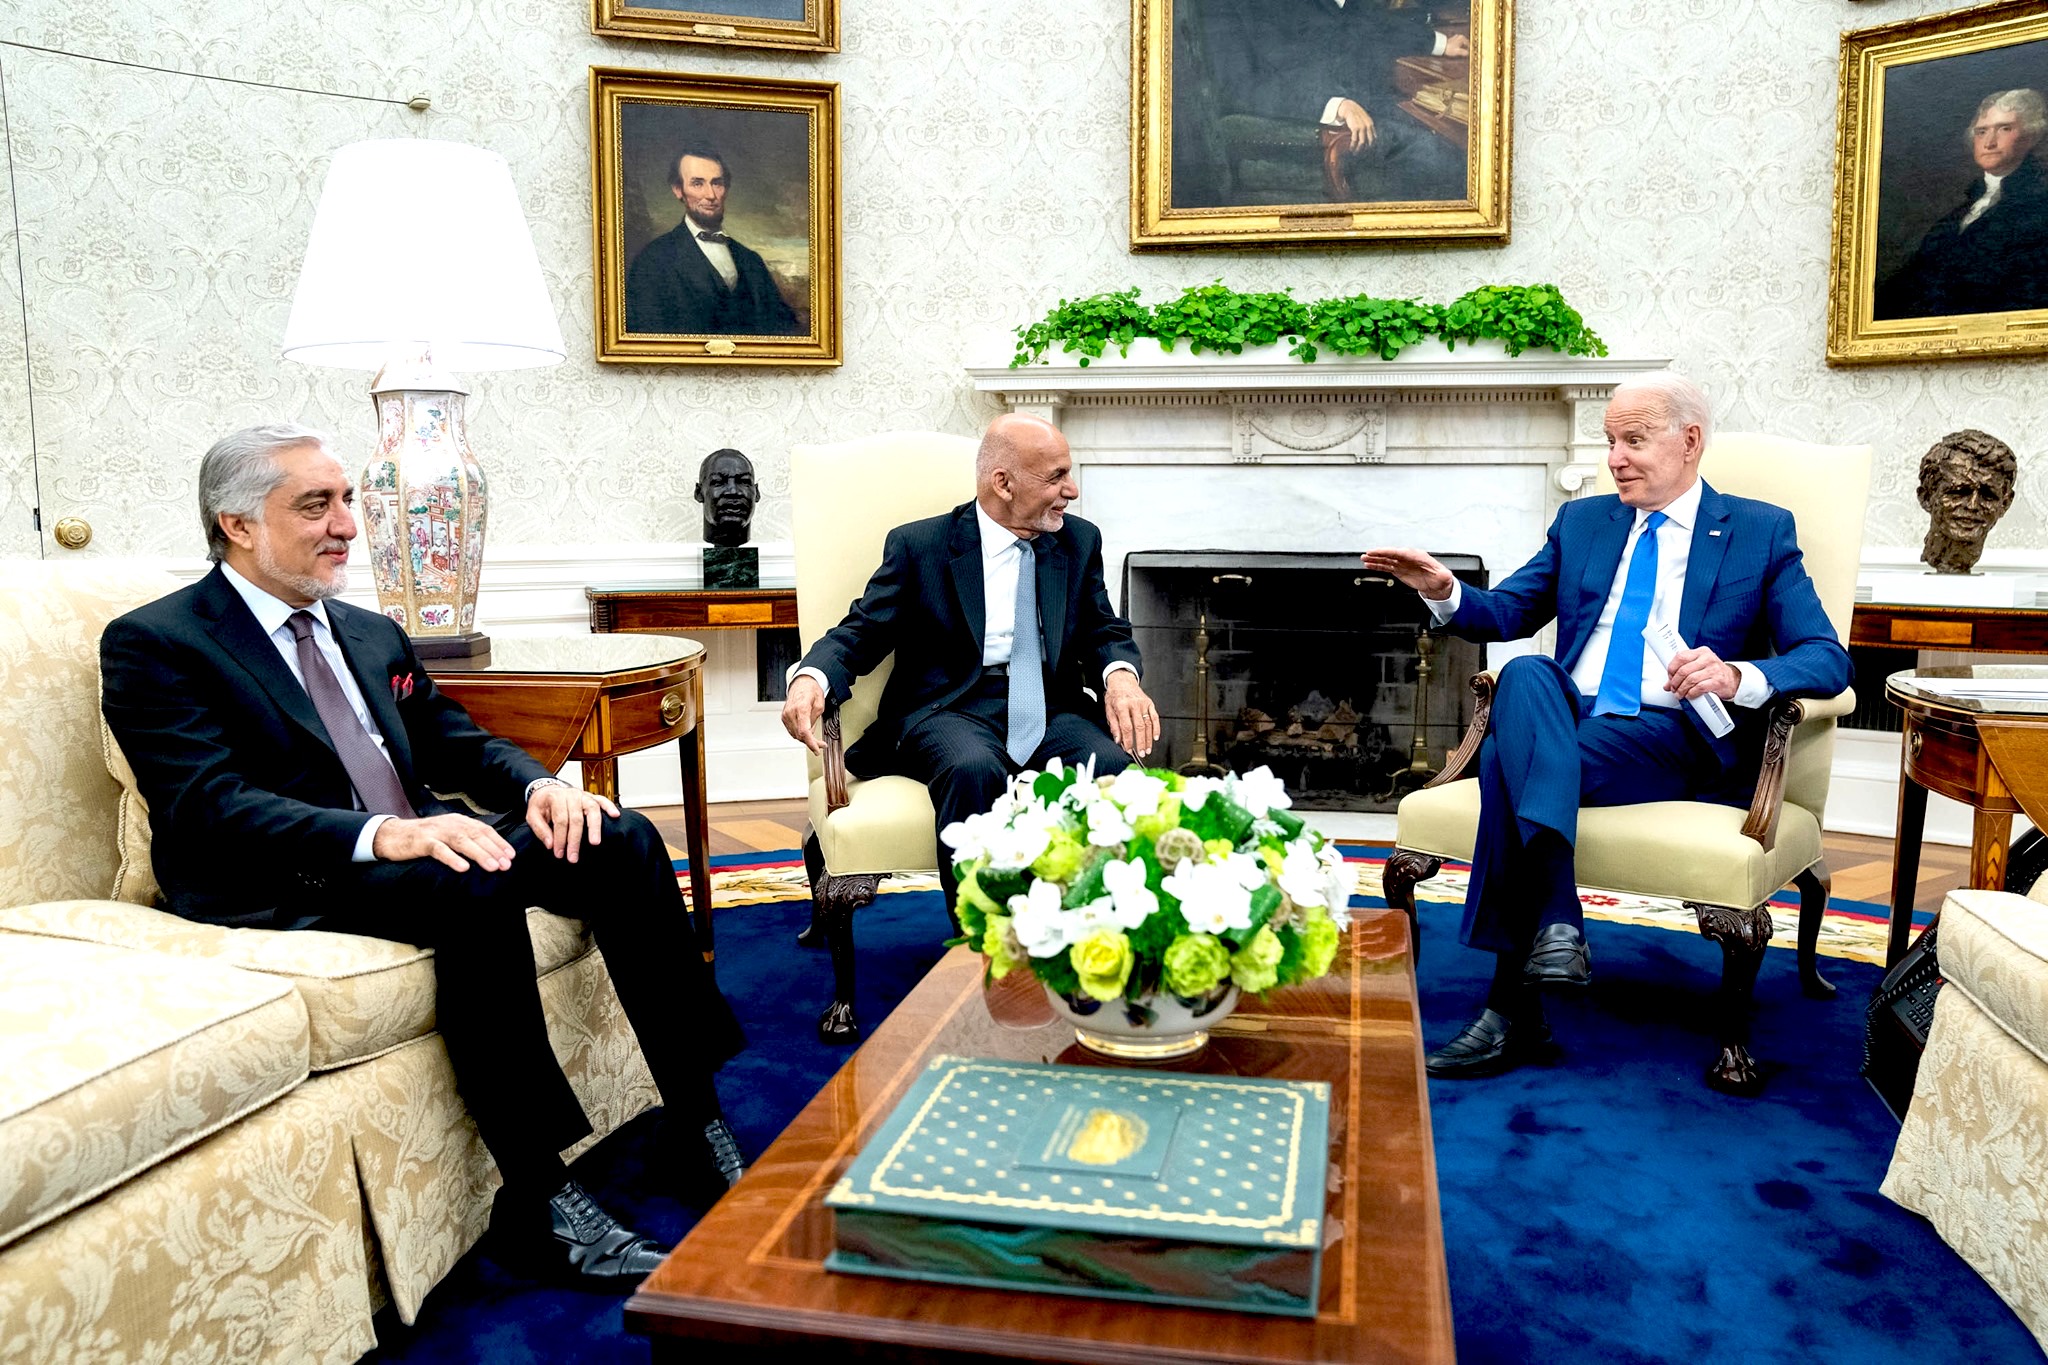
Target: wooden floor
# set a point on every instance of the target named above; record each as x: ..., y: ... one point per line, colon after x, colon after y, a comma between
x: 1862, y: 865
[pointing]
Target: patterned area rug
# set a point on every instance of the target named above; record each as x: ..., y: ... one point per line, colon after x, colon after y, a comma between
x: 1850, y: 929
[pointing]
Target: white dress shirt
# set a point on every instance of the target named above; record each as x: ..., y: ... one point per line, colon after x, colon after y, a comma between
x: 999, y: 556
x: 1992, y: 187
x: 272, y: 614
x: 1674, y: 550
x: 718, y: 253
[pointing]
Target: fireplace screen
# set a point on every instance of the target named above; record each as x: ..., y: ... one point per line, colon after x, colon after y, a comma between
x: 1332, y: 676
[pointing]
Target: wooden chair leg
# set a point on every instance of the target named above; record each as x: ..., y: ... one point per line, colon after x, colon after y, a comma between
x: 1814, y: 886
x: 1404, y: 869
x: 812, y: 935
x: 1743, y: 935
x: 835, y: 900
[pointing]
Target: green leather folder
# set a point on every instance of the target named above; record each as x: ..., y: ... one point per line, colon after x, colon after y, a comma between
x: 1121, y: 1183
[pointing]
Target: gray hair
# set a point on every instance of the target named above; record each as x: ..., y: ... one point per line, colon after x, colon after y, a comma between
x: 2025, y: 105
x: 240, y: 471
x: 1685, y: 403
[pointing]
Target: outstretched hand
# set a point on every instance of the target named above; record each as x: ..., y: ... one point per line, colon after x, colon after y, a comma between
x: 1413, y: 568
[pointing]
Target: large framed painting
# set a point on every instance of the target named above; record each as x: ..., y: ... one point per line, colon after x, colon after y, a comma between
x: 796, y: 25
x: 1941, y: 188
x: 1293, y: 121
x: 716, y: 218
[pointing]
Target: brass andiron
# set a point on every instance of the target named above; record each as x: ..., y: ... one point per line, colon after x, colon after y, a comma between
x: 1418, y: 770
x: 1199, y: 764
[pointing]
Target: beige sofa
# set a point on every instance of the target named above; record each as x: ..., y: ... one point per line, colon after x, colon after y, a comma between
x: 217, y: 1144
x: 1972, y: 1154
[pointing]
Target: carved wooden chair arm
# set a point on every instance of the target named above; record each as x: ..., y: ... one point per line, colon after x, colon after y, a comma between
x: 1786, y: 715
x: 1468, y: 748
x: 835, y: 760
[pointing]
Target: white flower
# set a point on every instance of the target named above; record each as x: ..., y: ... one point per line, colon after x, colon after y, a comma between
x: 1132, y: 900
x: 969, y: 838
x: 1340, y: 879
x: 1019, y: 845
x: 1194, y: 793
x: 1106, y: 825
x: 1302, y: 875
x: 1216, y: 897
x: 1037, y: 920
x: 1137, y: 791
x: 1258, y: 791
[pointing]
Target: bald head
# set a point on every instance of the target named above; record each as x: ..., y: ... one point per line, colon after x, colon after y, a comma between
x: 1023, y: 474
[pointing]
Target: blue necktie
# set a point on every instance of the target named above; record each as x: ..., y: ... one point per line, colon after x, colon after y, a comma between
x: 1621, y: 680
x: 1027, y: 663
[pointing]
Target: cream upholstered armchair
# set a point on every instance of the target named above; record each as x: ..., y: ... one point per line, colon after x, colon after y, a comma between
x: 1723, y: 862
x: 845, y: 500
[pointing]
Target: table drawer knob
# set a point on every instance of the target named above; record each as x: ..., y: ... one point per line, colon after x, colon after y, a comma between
x: 673, y: 705
x: 1913, y: 743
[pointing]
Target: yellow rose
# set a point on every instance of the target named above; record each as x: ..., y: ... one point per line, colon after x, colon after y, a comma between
x: 1103, y: 963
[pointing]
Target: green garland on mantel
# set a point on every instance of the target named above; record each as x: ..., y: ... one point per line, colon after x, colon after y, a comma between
x: 1215, y: 317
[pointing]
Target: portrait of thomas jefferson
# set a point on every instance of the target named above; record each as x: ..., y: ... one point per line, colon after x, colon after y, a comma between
x: 1987, y: 252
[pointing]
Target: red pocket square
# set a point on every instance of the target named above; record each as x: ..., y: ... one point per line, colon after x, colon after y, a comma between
x: 401, y: 687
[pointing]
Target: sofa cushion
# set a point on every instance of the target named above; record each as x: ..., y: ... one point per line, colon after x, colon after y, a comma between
x: 112, y: 1060
x: 134, y: 876
x: 363, y: 996
x: 1994, y: 949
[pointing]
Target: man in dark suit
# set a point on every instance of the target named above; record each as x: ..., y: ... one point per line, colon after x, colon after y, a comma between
x: 1990, y: 253
x: 1604, y: 723
x: 998, y: 617
x: 289, y: 747
x: 1331, y: 62
x: 696, y: 280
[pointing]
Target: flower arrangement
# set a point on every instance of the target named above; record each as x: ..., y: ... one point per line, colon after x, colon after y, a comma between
x: 1148, y: 882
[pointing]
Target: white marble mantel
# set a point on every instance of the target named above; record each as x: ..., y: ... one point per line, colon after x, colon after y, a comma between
x: 1466, y: 451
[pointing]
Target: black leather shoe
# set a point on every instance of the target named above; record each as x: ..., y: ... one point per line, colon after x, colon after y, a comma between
x: 706, y: 1161
x: 1490, y: 1045
x: 1560, y: 958
x: 590, y: 1246
x: 725, y: 1152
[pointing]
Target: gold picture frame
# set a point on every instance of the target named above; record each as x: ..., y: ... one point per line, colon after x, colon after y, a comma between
x: 756, y: 279
x: 1229, y: 147
x: 1920, y: 270
x: 786, y: 25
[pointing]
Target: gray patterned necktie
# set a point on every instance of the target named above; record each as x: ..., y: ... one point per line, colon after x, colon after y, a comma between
x: 369, y: 772
x: 1027, y: 663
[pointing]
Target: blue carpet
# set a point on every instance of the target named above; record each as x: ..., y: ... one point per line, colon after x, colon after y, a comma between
x: 1611, y: 1208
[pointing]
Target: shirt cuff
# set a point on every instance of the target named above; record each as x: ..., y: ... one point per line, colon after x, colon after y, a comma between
x: 540, y: 782
x: 1330, y: 109
x: 1120, y: 666
x: 1446, y: 609
x: 824, y: 685
x: 1755, y: 689
x: 1443, y: 41
x: 366, y: 837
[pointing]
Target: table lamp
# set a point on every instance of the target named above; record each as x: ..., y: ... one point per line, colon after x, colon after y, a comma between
x: 419, y: 259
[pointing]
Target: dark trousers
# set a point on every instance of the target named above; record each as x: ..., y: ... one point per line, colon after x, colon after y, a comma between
x: 959, y: 755
x: 1546, y: 756
x: 487, y: 1000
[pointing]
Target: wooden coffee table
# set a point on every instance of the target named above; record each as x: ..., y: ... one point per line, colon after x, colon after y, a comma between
x: 751, y: 1275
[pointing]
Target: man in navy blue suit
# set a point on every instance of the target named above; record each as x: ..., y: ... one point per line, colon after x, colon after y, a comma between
x: 1604, y: 723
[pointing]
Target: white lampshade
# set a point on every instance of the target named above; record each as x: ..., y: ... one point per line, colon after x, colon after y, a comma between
x: 421, y: 243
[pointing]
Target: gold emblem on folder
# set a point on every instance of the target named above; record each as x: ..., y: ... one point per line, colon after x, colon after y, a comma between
x: 1106, y: 1137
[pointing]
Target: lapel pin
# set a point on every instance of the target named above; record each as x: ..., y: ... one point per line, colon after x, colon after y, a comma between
x: 1713, y: 533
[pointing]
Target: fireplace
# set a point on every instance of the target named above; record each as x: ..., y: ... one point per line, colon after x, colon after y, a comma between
x: 1302, y: 662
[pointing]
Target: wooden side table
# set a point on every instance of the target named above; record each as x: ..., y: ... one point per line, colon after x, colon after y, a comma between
x: 661, y: 608
x: 1993, y: 630
x: 1989, y: 752
x: 593, y: 698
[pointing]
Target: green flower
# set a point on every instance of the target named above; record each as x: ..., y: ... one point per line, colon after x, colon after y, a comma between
x: 1103, y: 962
x: 1217, y: 847
x: 1195, y: 963
x: 971, y: 892
x: 996, y: 945
x: 1255, y: 967
x: 1061, y: 860
x: 1168, y: 817
x: 1318, y: 944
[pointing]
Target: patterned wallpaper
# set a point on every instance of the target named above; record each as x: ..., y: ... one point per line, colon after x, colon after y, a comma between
x: 1673, y: 172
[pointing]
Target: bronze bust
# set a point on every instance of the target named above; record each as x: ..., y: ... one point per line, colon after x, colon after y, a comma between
x: 726, y: 487
x: 1966, y: 485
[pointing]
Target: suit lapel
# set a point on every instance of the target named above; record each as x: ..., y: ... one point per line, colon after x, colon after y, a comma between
x: 1710, y: 536
x: 369, y: 662
x: 1596, y: 582
x: 1055, y: 568
x: 964, y: 545
x: 241, y: 638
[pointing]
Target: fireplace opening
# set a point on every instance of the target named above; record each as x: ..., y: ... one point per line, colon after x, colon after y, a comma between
x: 1332, y: 676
